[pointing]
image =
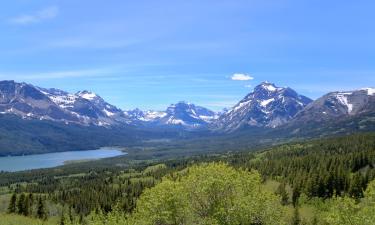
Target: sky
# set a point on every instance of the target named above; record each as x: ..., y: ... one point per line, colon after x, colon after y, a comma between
x: 149, y: 54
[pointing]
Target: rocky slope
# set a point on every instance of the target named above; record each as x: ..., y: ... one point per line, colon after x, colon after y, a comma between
x: 267, y: 106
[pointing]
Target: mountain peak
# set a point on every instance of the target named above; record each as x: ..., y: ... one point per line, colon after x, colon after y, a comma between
x: 265, y: 85
x: 183, y: 103
x: 88, y: 95
x: 267, y: 106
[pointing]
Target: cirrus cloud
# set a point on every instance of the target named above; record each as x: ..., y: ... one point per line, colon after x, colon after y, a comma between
x: 241, y: 76
x: 35, y: 17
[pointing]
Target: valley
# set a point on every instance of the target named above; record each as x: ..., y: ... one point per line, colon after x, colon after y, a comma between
x: 39, y: 120
x: 305, y: 168
x: 304, y: 158
x: 187, y: 112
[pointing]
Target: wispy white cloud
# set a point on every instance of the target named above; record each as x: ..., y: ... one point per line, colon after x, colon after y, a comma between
x: 241, y: 76
x: 35, y: 17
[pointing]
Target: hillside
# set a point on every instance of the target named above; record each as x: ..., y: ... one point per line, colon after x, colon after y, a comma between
x: 311, y: 172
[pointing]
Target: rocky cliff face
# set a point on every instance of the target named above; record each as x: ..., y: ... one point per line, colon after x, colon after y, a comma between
x: 267, y: 106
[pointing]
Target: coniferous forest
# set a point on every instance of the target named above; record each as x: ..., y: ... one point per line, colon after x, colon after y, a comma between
x: 187, y: 112
x: 323, y: 181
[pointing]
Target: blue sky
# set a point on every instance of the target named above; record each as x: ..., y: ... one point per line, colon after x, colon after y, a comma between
x: 149, y: 54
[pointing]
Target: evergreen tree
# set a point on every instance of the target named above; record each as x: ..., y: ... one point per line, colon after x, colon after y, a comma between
x: 21, y: 204
x: 12, y: 208
x: 282, y: 192
x: 31, y: 203
x: 356, y: 186
x: 41, y: 209
x: 295, y: 195
x: 26, y: 206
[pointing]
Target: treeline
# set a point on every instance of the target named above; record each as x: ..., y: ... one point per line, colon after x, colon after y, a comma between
x: 28, y: 205
x: 84, y: 193
x: 322, y: 168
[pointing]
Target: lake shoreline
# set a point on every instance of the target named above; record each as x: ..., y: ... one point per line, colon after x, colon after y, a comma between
x: 67, y: 150
x: 50, y: 160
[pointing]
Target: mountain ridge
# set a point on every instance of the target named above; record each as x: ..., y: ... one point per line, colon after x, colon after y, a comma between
x: 268, y: 106
x: 88, y: 108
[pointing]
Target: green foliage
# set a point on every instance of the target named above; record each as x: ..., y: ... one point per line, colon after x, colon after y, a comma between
x: 307, y: 174
x: 13, y: 219
x: 322, y: 168
x: 41, y: 212
x: 209, y: 194
x: 12, y: 208
x: 346, y: 211
x: 296, y: 219
x: 283, y: 193
x: 21, y: 204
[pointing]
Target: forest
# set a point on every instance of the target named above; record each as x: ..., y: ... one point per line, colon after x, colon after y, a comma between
x: 322, y: 181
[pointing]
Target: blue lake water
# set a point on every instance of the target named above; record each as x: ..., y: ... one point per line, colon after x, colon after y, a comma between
x: 48, y: 160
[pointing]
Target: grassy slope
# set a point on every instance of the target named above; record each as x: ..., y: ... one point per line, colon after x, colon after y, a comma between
x: 7, y: 219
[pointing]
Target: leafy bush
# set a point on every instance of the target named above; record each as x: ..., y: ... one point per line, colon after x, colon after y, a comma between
x: 212, y: 193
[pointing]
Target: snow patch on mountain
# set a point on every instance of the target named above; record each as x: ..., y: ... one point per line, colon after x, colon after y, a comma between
x: 343, y: 99
x: 267, y: 106
x: 153, y: 115
x: 87, y: 95
x: 370, y: 91
x: 264, y: 103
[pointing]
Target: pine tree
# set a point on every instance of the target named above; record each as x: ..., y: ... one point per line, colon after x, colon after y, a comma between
x: 282, y: 192
x: 295, y: 195
x: 31, y: 203
x: 41, y: 210
x: 356, y: 186
x: 26, y: 206
x: 12, y: 208
x: 21, y: 204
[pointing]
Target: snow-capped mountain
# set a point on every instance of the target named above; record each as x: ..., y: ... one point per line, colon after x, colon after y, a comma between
x: 83, y: 107
x: 28, y: 101
x: 339, y: 105
x: 88, y: 108
x: 267, y: 106
x: 87, y: 105
x: 181, y: 113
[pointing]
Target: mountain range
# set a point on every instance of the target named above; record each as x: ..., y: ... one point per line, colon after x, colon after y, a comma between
x: 268, y: 106
x: 35, y: 119
x: 88, y: 108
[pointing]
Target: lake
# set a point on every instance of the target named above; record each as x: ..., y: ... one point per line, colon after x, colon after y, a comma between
x: 48, y: 160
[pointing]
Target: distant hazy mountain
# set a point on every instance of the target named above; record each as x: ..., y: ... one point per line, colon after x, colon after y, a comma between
x: 28, y: 101
x: 183, y: 114
x: 35, y: 119
x: 88, y: 108
x: 267, y: 106
x: 84, y: 107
